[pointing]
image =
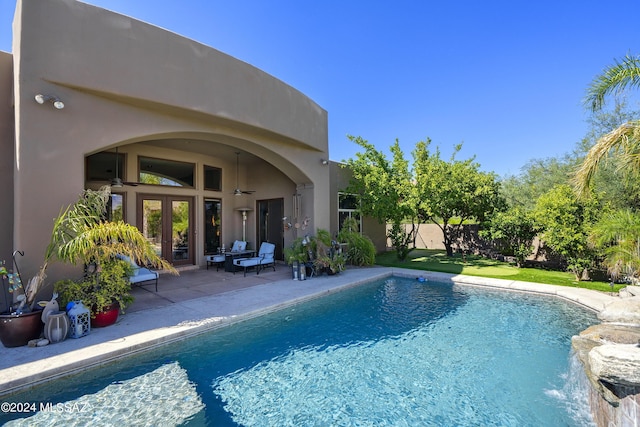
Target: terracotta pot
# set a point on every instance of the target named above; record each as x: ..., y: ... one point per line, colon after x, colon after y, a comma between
x: 107, y: 317
x: 18, y: 329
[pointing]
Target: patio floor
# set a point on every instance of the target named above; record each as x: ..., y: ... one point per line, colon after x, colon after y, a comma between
x: 194, y: 282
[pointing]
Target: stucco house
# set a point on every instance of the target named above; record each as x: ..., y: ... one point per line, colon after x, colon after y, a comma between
x: 209, y: 149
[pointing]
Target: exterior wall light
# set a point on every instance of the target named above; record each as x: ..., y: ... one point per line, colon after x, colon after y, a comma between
x: 41, y: 99
x: 324, y: 162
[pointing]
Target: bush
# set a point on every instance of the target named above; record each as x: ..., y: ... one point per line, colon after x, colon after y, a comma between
x: 360, y: 249
x: 99, y: 290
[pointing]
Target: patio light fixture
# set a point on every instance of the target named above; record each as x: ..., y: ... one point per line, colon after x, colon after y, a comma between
x: 57, y: 103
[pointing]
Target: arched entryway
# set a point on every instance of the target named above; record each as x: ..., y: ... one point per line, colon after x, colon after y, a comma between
x: 181, y: 194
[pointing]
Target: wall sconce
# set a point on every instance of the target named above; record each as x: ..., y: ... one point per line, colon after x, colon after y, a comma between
x: 41, y: 99
x: 324, y: 162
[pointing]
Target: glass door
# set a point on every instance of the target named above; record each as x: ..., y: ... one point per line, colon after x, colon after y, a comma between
x: 270, y: 228
x: 166, y: 222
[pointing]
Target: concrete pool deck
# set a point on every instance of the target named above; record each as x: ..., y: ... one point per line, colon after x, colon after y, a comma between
x: 149, y: 326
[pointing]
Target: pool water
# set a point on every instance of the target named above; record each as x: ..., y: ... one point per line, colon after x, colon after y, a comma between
x: 394, y: 352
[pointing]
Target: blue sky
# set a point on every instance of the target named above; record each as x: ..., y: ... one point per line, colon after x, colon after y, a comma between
x: 506, y: 78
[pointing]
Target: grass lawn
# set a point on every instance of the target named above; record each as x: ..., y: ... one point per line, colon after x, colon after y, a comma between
x: 436, y: 260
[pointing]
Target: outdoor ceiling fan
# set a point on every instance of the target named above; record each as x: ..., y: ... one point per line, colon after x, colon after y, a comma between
x: 238, y: 191
x: 117, y: 182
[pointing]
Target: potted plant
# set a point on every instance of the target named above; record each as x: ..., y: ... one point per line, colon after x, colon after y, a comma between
x: 81, y: 236
x: 297, y: 254
x: 336, y: 263
x: 105, y: 292
x: 328, y: 256
x: 17, y: 327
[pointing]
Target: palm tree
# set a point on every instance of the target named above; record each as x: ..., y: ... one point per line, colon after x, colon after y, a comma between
x: 623, y: 141
x: 618, y: 233
x: 81, y: 235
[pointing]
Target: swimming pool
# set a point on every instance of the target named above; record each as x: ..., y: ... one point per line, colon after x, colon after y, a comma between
x: 394, y: 352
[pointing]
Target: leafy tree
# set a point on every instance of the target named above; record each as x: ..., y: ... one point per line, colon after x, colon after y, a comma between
x: 513, y: 230
x: 618, y: 234
x: 537, y: 177
x: 565, y: 222
x: 615, y: 186
x: 624, y: 141
x: 386, y: 192
x: 450, y: 193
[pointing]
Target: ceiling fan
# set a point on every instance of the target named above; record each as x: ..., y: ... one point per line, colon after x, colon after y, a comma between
x: 238, y: 191
x: 117, y: 182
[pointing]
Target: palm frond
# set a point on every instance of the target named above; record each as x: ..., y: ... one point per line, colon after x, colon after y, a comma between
x: 81, y: 236
x: 613, y: 80
x: 623, y: 141
x: 619, y: 234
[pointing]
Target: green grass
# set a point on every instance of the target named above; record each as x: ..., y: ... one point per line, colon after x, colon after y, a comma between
x: 436, y: 260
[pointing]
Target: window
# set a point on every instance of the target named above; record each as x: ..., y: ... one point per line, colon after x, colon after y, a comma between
x: 348, y: 208
x: 115, y: 207
x: 212, y: 178
x: 102, y: 166
x: 212, y: 225
x: 165, y: 172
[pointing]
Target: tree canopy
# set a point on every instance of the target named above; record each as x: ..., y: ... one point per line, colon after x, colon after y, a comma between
x: 386, y: 191
x: 452, y: 192
x: 566, y: 223
x: 447, y: 193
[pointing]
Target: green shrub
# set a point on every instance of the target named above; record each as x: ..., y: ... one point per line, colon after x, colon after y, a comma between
x: 360, y: 249
x: 100, y: 289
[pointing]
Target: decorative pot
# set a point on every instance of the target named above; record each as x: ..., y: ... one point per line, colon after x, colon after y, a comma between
x: 18, y: 329
x: 107, y: 317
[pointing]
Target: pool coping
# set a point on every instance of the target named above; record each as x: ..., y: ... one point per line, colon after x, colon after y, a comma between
x: 23, y: 367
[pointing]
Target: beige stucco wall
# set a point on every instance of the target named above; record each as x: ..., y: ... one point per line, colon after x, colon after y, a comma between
x: 370, y: 226
x: 130, y: 84
x: 6, y: 156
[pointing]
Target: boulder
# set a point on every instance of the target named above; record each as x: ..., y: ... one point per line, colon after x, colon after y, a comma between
x: 625, y: 311
x: 616, y: 364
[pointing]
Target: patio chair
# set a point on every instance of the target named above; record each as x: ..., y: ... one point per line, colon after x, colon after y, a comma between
x: 239, y: 245
x: 266, y: 257
x: 140, y: 275
x: 217, y: 260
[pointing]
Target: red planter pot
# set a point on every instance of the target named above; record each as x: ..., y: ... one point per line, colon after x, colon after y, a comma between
x: 107, y: 317
x: 18, y: 330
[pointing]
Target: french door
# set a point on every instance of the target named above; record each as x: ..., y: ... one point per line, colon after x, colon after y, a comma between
x: 167, y: 222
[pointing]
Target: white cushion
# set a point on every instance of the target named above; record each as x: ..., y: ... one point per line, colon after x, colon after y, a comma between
x: 248, y: 262
x: 142, y: 275
x: 239, y: 245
